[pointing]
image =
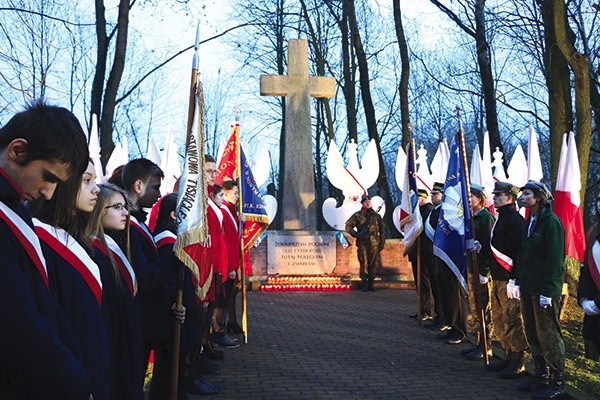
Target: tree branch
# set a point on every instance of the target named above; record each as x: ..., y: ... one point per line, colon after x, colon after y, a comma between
x: 22, y: 10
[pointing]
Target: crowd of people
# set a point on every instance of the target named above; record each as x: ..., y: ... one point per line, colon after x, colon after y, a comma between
x: 88, y: 288
x: 515, y: 273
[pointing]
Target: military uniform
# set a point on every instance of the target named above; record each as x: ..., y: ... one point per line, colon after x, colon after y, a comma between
x: 366, y: 225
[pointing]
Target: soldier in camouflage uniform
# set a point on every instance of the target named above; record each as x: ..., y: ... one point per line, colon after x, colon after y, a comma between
x: 540, y: 276
x: 366, y: 225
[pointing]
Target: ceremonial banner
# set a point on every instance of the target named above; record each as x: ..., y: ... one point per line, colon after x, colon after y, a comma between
x: 192, y: 229
x: 453, y: 231
x: 411, y: 222
x: 253, y: 206
x: 567, y: 201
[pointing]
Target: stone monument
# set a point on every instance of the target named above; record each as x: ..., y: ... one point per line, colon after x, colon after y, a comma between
x: 298, y: 208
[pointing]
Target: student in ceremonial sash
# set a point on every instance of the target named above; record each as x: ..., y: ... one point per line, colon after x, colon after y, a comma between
x: 74, y: 277
x: 507, y: 237
x: 165, y: 235
x: 231, y: 225
x: 141, y: 180
x: 39, y: 148
x: 588, y: 291
x: 219, y: 255
x: 107, y: 228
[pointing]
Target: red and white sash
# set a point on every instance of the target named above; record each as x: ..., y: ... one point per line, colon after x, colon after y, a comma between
x: 227, y: 211
x: 164, y: 238
x: 28, y: 239
x: 217, y: 211
x: 505, y: 261
x: 71, y: 251
x: 143, y: 230
x: 594, y: 263
x: 122, y: 262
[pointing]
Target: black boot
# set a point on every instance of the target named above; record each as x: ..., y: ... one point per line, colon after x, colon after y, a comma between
x: 364, y: 286
x: 541, y: 378
x: 496, y: 365
x: 555, y: 389
x: 370, y: 286
x: 515, y: 368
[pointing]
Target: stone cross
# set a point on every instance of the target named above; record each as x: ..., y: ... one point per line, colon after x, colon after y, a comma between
x: 298, y: 208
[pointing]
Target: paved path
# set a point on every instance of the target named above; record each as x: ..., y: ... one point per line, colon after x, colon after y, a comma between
x: 349, y: 345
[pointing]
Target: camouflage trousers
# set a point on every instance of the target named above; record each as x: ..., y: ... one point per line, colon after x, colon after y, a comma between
x: 506, y: 316
x: 368, y: 251
x: 487, y: 309
x: 543, y: 330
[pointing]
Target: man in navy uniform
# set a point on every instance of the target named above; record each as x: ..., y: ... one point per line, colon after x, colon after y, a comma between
x: 39, y: 148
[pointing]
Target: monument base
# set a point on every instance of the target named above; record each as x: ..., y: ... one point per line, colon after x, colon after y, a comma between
x: 319, y: 254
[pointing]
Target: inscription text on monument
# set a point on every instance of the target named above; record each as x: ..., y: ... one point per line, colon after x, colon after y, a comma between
x: 290, y: 253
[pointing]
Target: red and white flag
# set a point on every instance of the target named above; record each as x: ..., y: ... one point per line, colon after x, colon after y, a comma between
x: 567, y: 201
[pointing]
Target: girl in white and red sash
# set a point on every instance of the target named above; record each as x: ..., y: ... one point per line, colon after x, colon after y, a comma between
x: 73, y: 276
x: 107, y: 227
x: 588, y: 291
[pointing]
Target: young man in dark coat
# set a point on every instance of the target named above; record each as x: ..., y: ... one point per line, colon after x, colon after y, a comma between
x: 507, y: 237
x: 366, y: 225
x: 39, y: 148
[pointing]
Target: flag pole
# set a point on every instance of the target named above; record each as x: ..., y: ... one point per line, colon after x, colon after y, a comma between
x: 475, y: 277
x: 180, y: 273
x: 418, y: 278
x: 241, y: 231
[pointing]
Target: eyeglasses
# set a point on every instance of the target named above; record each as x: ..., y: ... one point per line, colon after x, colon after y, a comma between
x: 118, y: 207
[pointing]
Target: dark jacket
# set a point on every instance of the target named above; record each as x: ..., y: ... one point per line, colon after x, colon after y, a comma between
x: 34, y: 362
x: 588, y: 289
x: 508, y: 237
x: 426, y: 245
x: 151, y: 271
x: 483, y: 220
x: 541, y: 264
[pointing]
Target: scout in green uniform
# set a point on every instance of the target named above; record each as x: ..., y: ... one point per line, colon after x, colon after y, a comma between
x: 540, y: 275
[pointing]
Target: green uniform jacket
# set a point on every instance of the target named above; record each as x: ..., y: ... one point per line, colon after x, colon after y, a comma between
x: 483, y: 221
x: 375, y: 231
x: 541, y: 264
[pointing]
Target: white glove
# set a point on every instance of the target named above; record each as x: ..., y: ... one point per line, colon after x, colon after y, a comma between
x: 545, y: 302
x: 474, y: 246
x: 590, y: 308
x: 483, y: 279
x: 512, y: 290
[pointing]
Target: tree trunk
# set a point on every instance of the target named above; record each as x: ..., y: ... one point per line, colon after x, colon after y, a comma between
x: 107, y: 144
x: 405, y: 74
x: 365, y: 90
x: 580, y: 64
x: 488, y: 86
x: 558, y: 80
x: 278, y: 222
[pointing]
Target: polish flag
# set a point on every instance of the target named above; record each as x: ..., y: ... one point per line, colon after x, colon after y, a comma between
x: 567, y: 201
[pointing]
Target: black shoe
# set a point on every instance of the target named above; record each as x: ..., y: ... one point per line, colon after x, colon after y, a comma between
x: 413, y: 316
x: 456, y: 338
x: 224, y: 341
x: 202, y: 387
x: 532, y: 385
x: 497, y: 365
x: 514, y: 370
x: 467, y: 350
x: 476, y: 354
x: 234, y: 328
x: 555, y: 389
x: 444, y: 335
x: 211, y: 353
x: 427, y: 318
